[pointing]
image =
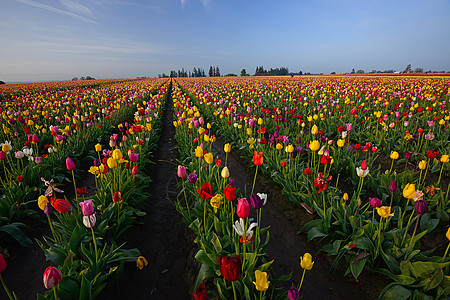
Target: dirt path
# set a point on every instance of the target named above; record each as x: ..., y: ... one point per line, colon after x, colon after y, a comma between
x: 162, y: 238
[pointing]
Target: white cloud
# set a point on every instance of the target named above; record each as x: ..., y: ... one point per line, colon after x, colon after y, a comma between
x: 76, y: 7
x: 57, y: 10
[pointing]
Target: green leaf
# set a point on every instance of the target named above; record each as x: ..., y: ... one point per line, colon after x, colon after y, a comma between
x: 204, y: 272
x: 315, y: 232
x: 356, y: 268
x: 426, y: 222
x: 203, y: 257
x: 14, y: 231
x: 395, y: 292
x: 85, y: 291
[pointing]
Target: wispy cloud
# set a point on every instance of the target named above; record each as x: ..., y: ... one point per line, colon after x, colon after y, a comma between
x: 57, y: 10
x: 76, y: 7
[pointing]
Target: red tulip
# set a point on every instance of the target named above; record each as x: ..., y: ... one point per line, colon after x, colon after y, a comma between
x: 243, y: 208
x: 70, y: 165
x: 60, y: 205
x: 218, y: 162
x: 20, y: 178
x: 2, y: 264
x: 205, y: 191
x: 52, y: 276
x: 134, y: 170
x: 432, y: 154
x: 230, y: 267
x: 283, y: 163
x: 258, y: 158
x: 364, y: 165
x: 230, y: 193
x: 117, y: 197
x: 307, y: 171
x: 200, y: 293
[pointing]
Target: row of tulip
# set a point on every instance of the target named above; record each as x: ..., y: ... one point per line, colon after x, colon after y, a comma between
x: 231, y: 239
x: 313, y: 149
x: 42, y: 128
x: 89, y: 259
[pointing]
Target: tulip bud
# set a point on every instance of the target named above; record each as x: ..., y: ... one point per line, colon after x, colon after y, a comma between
x: 98, y: 148
x: 52, y: 276
x: 70, y: 165
x: 225, y: 172
x: 375, y: 202
x: 89, y: 221
x: 117, y: 197
x: 306, y: 261
x: 420, y: 207
x: 393, y: 186
x: 227, y: 148
x: 364, y: 165
x: 86, y: 207
x: 243, y: 208
x: 181, y: 171
x: 134, y: 170
x: 48, y: 209
x: 2, y: 264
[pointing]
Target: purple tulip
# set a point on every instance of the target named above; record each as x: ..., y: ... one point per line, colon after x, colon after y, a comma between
x: 420, y: 207
x: 192, y: 178
x: 48, y: 209
x: 256, y: 202
x: 299, y: 149
x: 408, y: 155
x: 231, y: 180
x: 375, y: 202
x: 96, y: 162
x: 393, y: 186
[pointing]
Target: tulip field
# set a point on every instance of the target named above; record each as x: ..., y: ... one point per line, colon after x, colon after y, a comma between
x: 362, y: 162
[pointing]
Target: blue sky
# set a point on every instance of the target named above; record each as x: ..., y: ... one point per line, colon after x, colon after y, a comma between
x: 61, y: 39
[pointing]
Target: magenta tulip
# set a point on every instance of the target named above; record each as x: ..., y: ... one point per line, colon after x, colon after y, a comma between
x: 70, y: 165
x: 243, y: 208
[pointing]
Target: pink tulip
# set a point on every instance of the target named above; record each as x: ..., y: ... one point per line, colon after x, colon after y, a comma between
x: 243, y: 208
x: 135, y: 170
x: 70, y: 165
x: 181, y: 172
x: 87, y: 208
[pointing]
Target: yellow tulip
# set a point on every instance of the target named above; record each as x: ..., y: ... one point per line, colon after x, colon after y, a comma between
x: 260, y: 121
x: 394, y: 155
x: 409, y: 191
x: 98, y: 148
x: 314, y: 145
x: 199, y: 152
x: 345, y: 197
x: 384, y: 211
x: 444, y: 158
x: 306, y: 261
x: 216, y: 201
x: 447, y: 235
x: 261, y: 282
x: 225, y: 172
x: 279, y: 146
x: 340, y: 143
x: 141, y: 262
x: 112, y: 163
x: 422, y: 164
x: 209, y: 158
x: 227, y: 148
x: 314, y: 130
x: 117, y: 154
x: 290, y: 148
x: 42, y: 201
x: 249, y: 131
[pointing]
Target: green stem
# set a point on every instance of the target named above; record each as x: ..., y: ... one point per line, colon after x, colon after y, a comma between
x: 6, y: 288
x: 55, y: 237
x: 94, y: 240
x: 445, y: 254
x: 234, y: 290
x: 440, y: 174
x: 254, y: 180
x: 185, y: 198
x: 54, y: 292
x: 301, y: 282
x: 407, y: 227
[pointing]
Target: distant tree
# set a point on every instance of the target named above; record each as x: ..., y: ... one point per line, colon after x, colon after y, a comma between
x: 75, y: 79
x: 217, y: 73
x: 90, y: 78
x: 300, y: 73
x: 418, y: 70
x: 230, y: 74
x: 211, y: 71
x: 373, y: 71
x: 353, y: 71
x: 332, y: 73
x: 2, y: 82
x: 408, y: 68
x: 360, y: 72
x: 243, y: 72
